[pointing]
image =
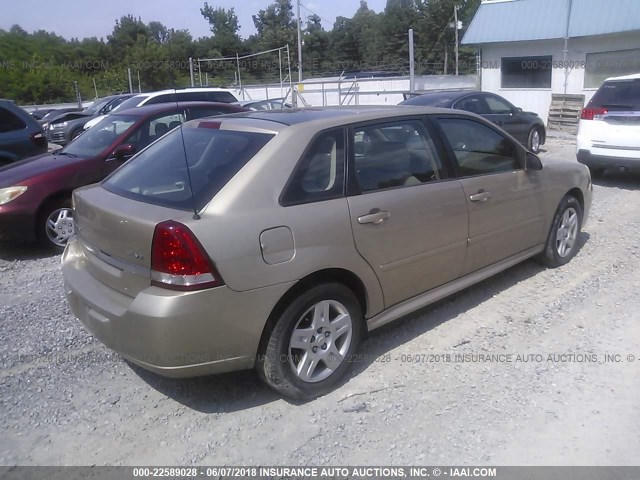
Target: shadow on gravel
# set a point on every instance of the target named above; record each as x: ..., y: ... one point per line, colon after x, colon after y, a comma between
x: 624, y: 181
x: 235, y: 391
x: 223, y: 393
x: 403, y: 330
x: 10, y: 251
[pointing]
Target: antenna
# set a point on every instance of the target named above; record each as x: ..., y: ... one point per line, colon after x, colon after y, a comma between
x: 196, y: 216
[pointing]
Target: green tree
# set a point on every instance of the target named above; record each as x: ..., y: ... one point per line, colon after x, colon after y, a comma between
x: 224, y: 26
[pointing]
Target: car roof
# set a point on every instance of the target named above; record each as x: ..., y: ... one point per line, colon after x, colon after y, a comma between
x: 161, y: 107
x: 184, y: 90
x: 635, y: 76
x: 328, y: 116
x: 444, y: 95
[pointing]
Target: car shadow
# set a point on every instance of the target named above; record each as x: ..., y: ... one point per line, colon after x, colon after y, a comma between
x: 229, y: 392
x: 616, y: 179
x: 222, y: 393
x: 12, y: 251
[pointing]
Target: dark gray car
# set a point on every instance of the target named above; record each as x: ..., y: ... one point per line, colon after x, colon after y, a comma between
x: 20, y: 134
x: 67, y: 126
x: 527, y: 127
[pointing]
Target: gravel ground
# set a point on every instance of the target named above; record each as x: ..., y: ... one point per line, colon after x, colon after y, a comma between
x: 65, y: 399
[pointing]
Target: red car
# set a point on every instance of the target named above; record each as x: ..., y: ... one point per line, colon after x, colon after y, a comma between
x: 35, y: 194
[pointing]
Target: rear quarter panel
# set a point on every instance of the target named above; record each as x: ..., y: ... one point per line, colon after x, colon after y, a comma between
x: 249, y: 204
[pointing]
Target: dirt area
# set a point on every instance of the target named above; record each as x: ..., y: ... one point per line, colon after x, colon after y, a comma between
x: 531, y: 367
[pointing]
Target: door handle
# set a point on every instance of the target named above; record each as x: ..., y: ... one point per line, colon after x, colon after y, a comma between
x: 375, y: 216
x: 481, y: 196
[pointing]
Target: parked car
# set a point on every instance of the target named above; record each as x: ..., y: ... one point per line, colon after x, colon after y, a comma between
x: 271, y: 104
x: 609, y: 127
x: 55, y: 112
x: 20, y: 134
x: 275, y: 240
x: 220, y: 95
x: 526, y: 127
x: 39, y: 113
x: 67, y: 126
x: 35, y: 194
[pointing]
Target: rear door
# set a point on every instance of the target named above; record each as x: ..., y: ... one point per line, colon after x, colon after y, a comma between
x: 504, y: 200
x: 409, y: 217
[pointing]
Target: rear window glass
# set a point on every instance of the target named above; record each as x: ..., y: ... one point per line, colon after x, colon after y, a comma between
x: 618, y: 95
x: 130, y: 103
x: 10, y: 122
x: 428, y: 100
x: 159, y: 174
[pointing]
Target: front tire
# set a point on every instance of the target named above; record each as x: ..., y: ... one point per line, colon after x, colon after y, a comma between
x: 55, y: 225
x: 311, y: 346
x: 534, y: 140
x: 562, y: 243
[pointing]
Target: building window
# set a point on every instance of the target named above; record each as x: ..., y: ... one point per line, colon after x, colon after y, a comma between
x: 602, y: 65
x: 526, y: 72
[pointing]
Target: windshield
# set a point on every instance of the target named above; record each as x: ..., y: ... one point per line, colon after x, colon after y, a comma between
x: 95, y: 140
x: 132, y: 102
x: 620, y: 95
x: 159, y: 174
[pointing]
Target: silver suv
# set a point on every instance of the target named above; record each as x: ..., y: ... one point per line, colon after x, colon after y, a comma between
x: 276, y: 240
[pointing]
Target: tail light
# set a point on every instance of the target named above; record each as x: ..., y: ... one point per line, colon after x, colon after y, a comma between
x: 592, y: 113
x: 178, y: 260
x: 39, y: 139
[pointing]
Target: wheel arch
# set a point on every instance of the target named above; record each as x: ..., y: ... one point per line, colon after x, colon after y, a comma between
x: 578, y: 195
x: 329, y: 275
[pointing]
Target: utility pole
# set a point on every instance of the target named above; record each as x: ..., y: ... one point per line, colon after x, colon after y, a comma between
x: 130, y: 84
x: 455, y: 26
x: 299, y: 45
x: 191, y: 71
x: 139, y: 84
x: 411, y: 62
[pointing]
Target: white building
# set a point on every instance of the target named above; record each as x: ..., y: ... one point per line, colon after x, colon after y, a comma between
x: 529, y: 49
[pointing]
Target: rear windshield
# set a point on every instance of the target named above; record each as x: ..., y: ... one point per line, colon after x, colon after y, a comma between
x: 621, y: 95
x: 159, y: 174
x: 130, y: 103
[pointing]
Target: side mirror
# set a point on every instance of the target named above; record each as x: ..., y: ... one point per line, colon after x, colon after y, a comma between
x: 124, y: 152
x: 532, y: 162
x: 517, y: 111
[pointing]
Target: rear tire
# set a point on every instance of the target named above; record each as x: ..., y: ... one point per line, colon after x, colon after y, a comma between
x: 55, y: 225
x: 562, y: 243
x: 311, y: 346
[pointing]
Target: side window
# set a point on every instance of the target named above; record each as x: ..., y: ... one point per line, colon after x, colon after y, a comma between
x: 153, y: 129
x: 320, y: 172
x: 497, y: 105
x: 168, y: 97
x: 479, y: 150
x: 10, y: 122
x: 223, y: 97
x: 473, y: 104
x: 394, y: 155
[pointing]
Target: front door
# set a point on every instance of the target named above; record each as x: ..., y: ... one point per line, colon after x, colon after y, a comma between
x: 409, y: 217
x: 505, y: 214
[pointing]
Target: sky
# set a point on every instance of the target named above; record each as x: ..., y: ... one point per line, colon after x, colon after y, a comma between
x: 96, y: 18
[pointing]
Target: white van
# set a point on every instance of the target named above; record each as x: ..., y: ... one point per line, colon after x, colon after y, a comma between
x: 220, y: 95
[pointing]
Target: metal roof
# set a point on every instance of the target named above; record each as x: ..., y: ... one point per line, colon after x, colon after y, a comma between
x: 524, y: 20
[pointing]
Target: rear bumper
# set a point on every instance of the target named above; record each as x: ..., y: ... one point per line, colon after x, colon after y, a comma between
x: 608, y: 161
x: 171, y: 333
